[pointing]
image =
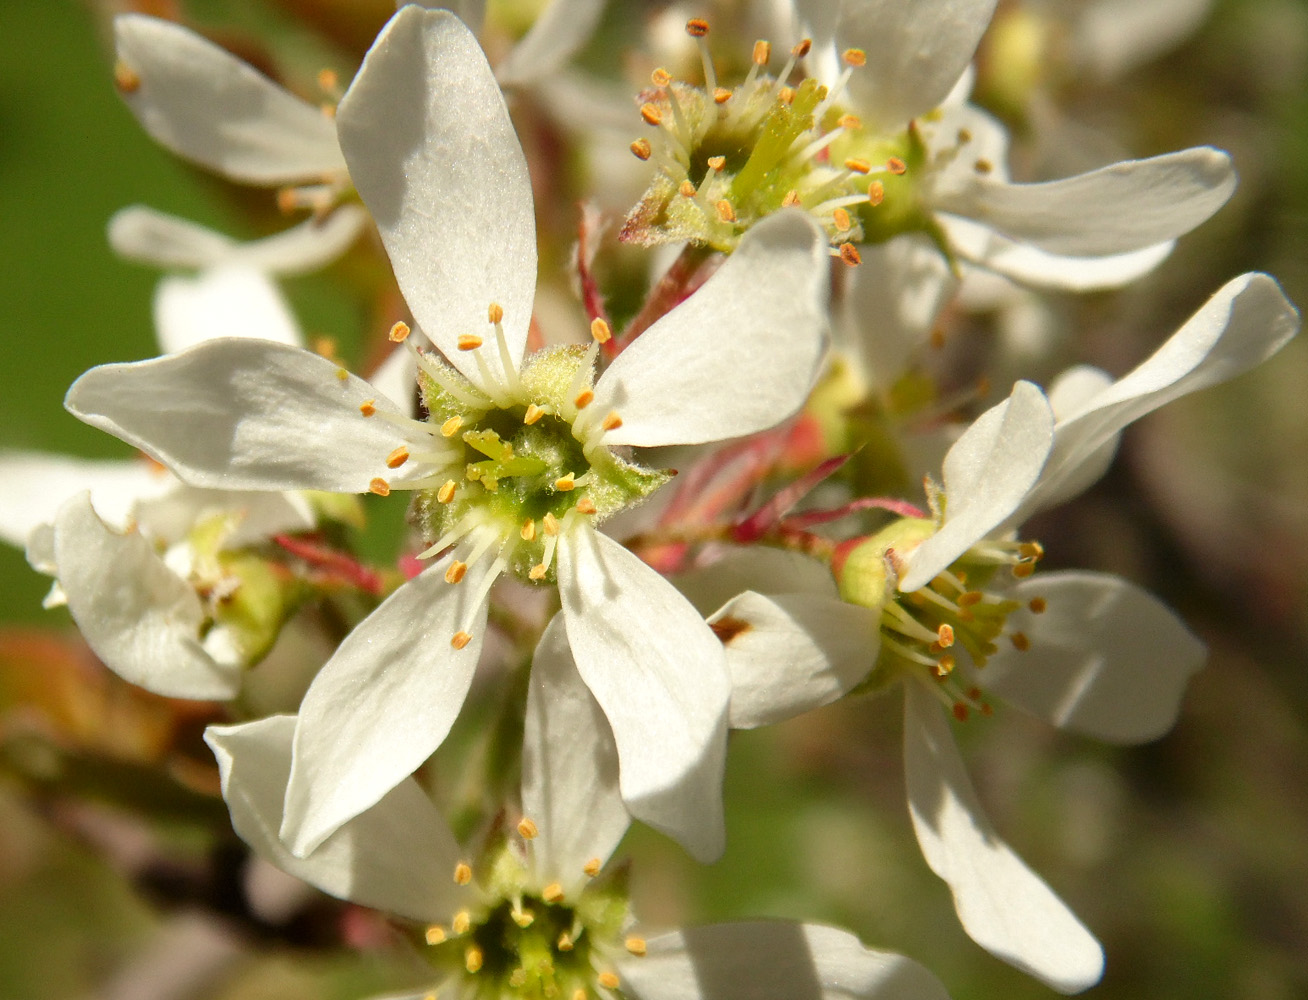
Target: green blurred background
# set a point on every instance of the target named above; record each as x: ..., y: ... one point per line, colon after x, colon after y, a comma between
x: 1186, y: 857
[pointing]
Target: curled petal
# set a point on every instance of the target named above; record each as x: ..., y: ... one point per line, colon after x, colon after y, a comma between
x: 1002, y: 904
x: 661, y: 677
x: 225, y: 301
x: 383, y: 703
x: 396, y: 856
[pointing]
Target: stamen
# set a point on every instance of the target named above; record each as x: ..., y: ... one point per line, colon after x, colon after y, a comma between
x: 857, y: 165
x: 1020, y: 641
x: 876, y: 193
x: 469, y: 342
x: 896, y: 166
x: 459, y: 640
x: 725, y: 212
x: 762, y: 52
x: 533, y: 414
x: 461, y: 922
x: 842, y: 220
x: 716, y: 163
x: 983, y: 166
x: 1038, y: 605
x: 399, y: 333
x: 635, y: 945
x: 651, y: 114
x: 641, y: 149
x: 945, y: 635
x: 456, y: 571
x: 565, y: 943
x: 686, y: 189
x: 451, y: 426
x: 583, y: 399
x: 380, y: 487
x: 599, y: 330
x: 660, y: 77
x: 698, y: 28
x: 397, y: 457
x: 585, y: 506
x: 434, y: 935
x: 592, y: 867
x: 609, y: 980
x: 850, y: 255
x: 368, y: 407
x: 462, y: 873
x: 721, y: 95
x: 611, y: 421
x: 126, y: 79
x: 552, y: 893
x: 565, y: 483
x: 851, y: 123
x: 527, y: 829
x: 446, y: 493
x: 473, y: 958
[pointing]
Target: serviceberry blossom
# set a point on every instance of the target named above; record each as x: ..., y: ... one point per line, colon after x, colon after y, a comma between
x: 520, y: 457
x: 947, y: 605
x: 541, y: 913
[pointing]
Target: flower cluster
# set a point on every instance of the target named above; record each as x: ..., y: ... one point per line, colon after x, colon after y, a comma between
x: 630, y: 528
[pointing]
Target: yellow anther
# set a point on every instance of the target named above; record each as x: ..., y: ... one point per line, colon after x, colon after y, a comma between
x: 762, y: 52
x: 1020, y: 641
x: 328, y: 80
x: 537, y: 572
x: 552, y: 893
x: 802, y: 48
x: 446, y: 493
x: 945, y: 635
x: 650, y: 114
x: 791, y: 199
x: 528, y: 530
x: 857, y: 165
x: 725, y: 212
x: 983, y: 166
x: 469, y: 342
x: 342, y: 375
x: 1038, y: 605
x: 473, y: 958
x: 460, y: 639
x: 435, y: 934
x: 609, y: 980
x: 451, y: 427
x: 368, y: 407
x: 854, y: 57
x: 786, y: 95
x: 967, y: 600
x: 583, y: 399
x: 565, y: 483
x: 288, y: 200
x: 635, y: 945
x: 527, y: 829
x: 586, y: 506
x: 945, y: 665
x: 380, y: 486
x: 324, y: 347
x: 896, y: 166
x: 592, y: 867
x: 641, y: 149
x: 456, y: 571
x: 579, y: 994
x: 697, y: 27
x: 964, y: 136
x: 399, y: 333
x: 876, y: 193
x: 717, y: 162
x: 850, y: 122
x: 1031, y: 550
x: 660, y: 77
x: 600, y: 331
x: 611, y: 421
x: 842, y: 220
x: 564, y: 942
x: 686, y: 189
x: 850, y: 255
x: 523, y: 918
x: 518, y: 978
x: 960, y: 711
x: 550, y: 524
x: 721, y: 95
x: 126, y: 79
x: 1023, y: 569
x: 461, y: 922
x: 462, y: 873
x: 494, y: 313
x: 533, y: 414
x: 397, y: 458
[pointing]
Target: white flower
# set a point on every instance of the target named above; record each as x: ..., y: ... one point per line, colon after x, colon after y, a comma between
x: 539, y: 911
x: 516, y: 462
x: 204, y: 104
x: 1087, y: 651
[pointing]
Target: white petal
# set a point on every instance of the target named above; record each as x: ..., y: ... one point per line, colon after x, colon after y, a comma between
x: 661, y: 677
x: 764, y: 960
x: 311, y: 245
x: 987, y: 473
x: 915, y: 53
x: 793, y: 652
x: 138, y: 616
x: 245, y: 415
x: 470, y: 12
x: 144, y: 234
x: 569, y: 766
x: 892, y: 303
x: 226, y: 301
x: 758, y: 568
x: 1244, y: 324
x: 253, y: 517
x: 37, y: 484
x: 1002, y: 904
x: 399, y: 856
x: 383, y: 703
x: 1117, y: 209
x: 203, y: 103
x: 562, y: 28
x: 1111, y: 37
x: 1032, y: 266
x: 435, y: 158
x: 736, y: 357
x: 1107, y: 658
x: 397, y: 378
